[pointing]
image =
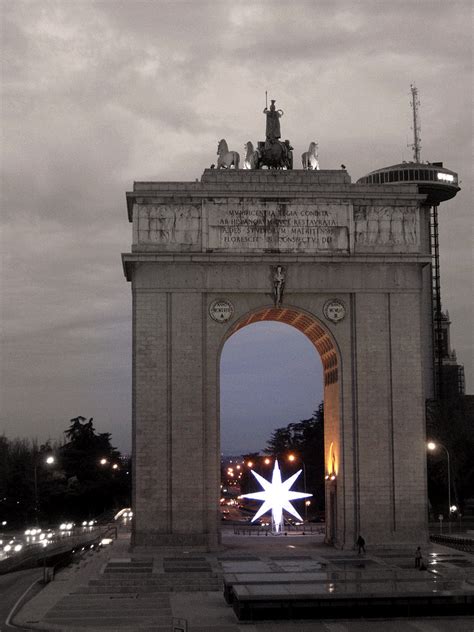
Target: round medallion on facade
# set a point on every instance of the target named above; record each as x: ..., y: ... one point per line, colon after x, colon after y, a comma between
x: 221, y: 310
x: 334, y: 310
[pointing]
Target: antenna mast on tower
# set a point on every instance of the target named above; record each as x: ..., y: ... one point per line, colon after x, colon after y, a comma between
x: 415, y: 103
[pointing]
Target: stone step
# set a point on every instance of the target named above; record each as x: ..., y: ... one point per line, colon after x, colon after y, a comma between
x: 195, y: 558
x: 105, y: 605
x: 122, y: 569
x: 151, y: 577
x: 186, y: 565
x: 114, y: 606
x: 150, y: 581
x: 86, y: 617
x: 103, y: 611
x: 201, y: 587
x: 106, y: 627
x: 116, y: 597
x: 127, y: 569
x: 107, y: 614
x: 115, y: 622
x: 197, y: 569
x: 189, y: 563
x: 118, y: 562
x: 134, y: 590
x: 159, y: 586
x: 130, y: 564
x: 183, y: 562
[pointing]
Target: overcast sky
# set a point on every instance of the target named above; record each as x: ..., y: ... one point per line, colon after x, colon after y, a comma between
x: 99, y: 94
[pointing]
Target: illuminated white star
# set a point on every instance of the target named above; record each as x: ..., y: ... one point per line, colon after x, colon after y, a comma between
x: 276, y: 496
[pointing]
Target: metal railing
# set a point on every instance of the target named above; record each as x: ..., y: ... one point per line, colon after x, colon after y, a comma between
x: 61, y: 545
x: 49, y: 572
x: 266, y: 530
x: 455, y: 542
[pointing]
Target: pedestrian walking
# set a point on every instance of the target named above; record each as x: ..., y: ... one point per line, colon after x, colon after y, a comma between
x: 360, y: 545
x: 418, y: 557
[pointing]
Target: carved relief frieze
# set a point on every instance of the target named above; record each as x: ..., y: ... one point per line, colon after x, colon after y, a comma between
x: 395, y: 227
x: 169, y: 224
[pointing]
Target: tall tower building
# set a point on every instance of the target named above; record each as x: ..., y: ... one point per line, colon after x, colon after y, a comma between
x: 438, y: 184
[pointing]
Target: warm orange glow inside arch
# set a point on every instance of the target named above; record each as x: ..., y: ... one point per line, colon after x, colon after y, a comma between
x: 309, y: 326
x: 332, y: 466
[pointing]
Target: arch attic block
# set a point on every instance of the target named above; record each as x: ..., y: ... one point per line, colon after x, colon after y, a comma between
x: 365, y: 247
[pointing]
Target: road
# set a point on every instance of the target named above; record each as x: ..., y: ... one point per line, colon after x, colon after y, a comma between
x: 12, y: 587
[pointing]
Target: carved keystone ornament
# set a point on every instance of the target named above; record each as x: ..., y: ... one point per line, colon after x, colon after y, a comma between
x: 221, y: 310
x: 334, y: 310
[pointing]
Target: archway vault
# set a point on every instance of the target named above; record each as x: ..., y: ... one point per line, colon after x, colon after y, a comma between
x: 304, y: 322
x: 320, y: 337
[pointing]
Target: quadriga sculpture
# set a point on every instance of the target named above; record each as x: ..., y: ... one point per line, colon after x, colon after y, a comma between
x: 310, y: 158
x: 227, y: 159
x: 252, y: 156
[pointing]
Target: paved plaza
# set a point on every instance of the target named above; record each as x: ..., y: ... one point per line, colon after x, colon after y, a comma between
x: 111, y: 590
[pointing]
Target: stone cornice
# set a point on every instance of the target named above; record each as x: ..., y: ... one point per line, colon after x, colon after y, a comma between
x: 129, y: 259
x: 271, y: 185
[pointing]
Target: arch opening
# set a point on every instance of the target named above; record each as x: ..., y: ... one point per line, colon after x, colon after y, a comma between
x: 322, y: 341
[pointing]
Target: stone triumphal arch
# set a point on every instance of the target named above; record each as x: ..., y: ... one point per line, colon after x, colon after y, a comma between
x: 348, y: 265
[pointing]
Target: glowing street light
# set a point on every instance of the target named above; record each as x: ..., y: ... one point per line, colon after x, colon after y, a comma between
x: 103, y: 461
x: 49, y: 460
x: 267, y: 461
x: 432, y: 446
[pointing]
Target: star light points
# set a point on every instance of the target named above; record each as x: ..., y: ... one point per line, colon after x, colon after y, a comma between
x: 276, y: 497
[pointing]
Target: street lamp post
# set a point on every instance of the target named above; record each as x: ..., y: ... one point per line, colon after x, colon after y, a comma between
x: 35, y: 471
x: 292, y: 457
x: 49, y: 460
x: 432, y: 446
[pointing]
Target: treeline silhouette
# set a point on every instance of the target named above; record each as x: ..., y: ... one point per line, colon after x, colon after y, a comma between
x: 88, y: 477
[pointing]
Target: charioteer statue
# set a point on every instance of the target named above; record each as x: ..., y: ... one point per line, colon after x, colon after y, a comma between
x: 273, y: 123
x: 271, y: 153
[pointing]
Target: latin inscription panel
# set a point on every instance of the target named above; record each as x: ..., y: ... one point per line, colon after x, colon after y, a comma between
x: 266, y: 226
